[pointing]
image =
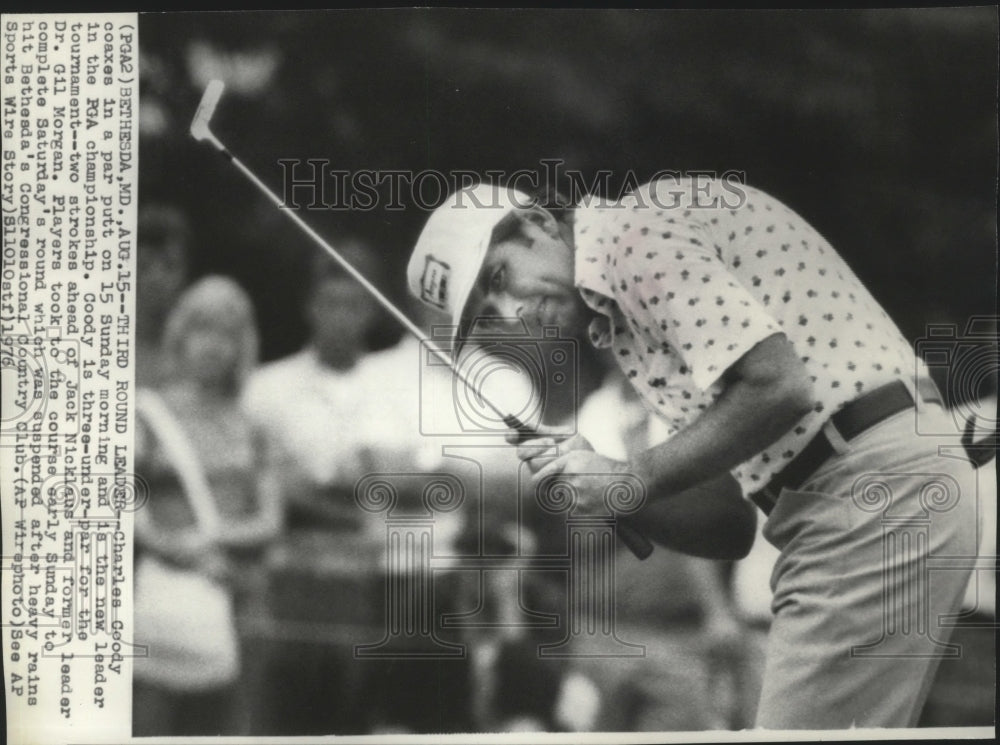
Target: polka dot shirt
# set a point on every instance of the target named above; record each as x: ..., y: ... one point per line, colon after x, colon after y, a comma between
x: 687, y: 281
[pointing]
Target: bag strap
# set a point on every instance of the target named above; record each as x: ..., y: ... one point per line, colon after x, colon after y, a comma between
x: 175, y: 443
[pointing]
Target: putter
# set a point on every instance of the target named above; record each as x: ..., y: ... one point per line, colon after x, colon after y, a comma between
x: 201, y: 130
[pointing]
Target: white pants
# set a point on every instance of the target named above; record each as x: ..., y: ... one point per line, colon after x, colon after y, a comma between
x: 862, y: 594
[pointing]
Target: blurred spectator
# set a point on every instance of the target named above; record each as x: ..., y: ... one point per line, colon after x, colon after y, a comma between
x: 336, y: 412
x: 311, y: 406
x: 164, y: 244
x: 312, y: 403
x: 676, y: 605
x: 407, y: 381
x: 393, y: 428
x: 201, y: 537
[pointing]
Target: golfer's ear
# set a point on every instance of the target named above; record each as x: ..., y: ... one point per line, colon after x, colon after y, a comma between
x: 543, y: 219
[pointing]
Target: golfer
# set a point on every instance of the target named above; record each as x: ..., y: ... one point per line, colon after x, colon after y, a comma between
x: 771, y: 364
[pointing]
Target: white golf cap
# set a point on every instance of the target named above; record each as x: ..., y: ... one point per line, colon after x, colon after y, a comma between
x: 452, y: 247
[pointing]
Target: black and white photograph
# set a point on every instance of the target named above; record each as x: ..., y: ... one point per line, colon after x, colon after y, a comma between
x: 531, y: 372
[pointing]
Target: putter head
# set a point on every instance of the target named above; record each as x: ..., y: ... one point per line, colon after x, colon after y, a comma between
x: 200, y: 129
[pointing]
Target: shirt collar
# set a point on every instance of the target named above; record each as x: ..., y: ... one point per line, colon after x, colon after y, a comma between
x: 590, y: 257
x: 590, y: 262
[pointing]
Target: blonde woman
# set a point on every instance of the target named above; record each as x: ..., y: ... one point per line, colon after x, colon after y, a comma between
x: 212, y: 511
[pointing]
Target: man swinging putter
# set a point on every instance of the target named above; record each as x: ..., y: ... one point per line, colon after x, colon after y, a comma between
x: 782, y: 380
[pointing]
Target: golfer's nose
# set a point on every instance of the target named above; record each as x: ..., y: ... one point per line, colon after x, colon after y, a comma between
x: 499, y: 316
x: 508, y: 307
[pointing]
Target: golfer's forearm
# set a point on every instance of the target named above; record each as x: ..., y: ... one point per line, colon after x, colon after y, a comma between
x: 710, y: 520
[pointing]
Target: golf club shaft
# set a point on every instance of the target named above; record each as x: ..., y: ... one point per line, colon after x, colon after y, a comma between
x: 636, y: 542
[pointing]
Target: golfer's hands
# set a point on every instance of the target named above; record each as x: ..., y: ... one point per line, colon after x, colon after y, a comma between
x: 573, y: 461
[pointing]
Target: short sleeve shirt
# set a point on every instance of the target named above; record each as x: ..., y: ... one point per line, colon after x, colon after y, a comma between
x: 687, y: 276
x: 327, y: 421
x: 306, y: 411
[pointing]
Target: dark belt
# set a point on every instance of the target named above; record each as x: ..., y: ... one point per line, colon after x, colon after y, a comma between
x: 857, y: 416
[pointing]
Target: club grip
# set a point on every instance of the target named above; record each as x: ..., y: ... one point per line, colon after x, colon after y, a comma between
x: 633, y: 539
